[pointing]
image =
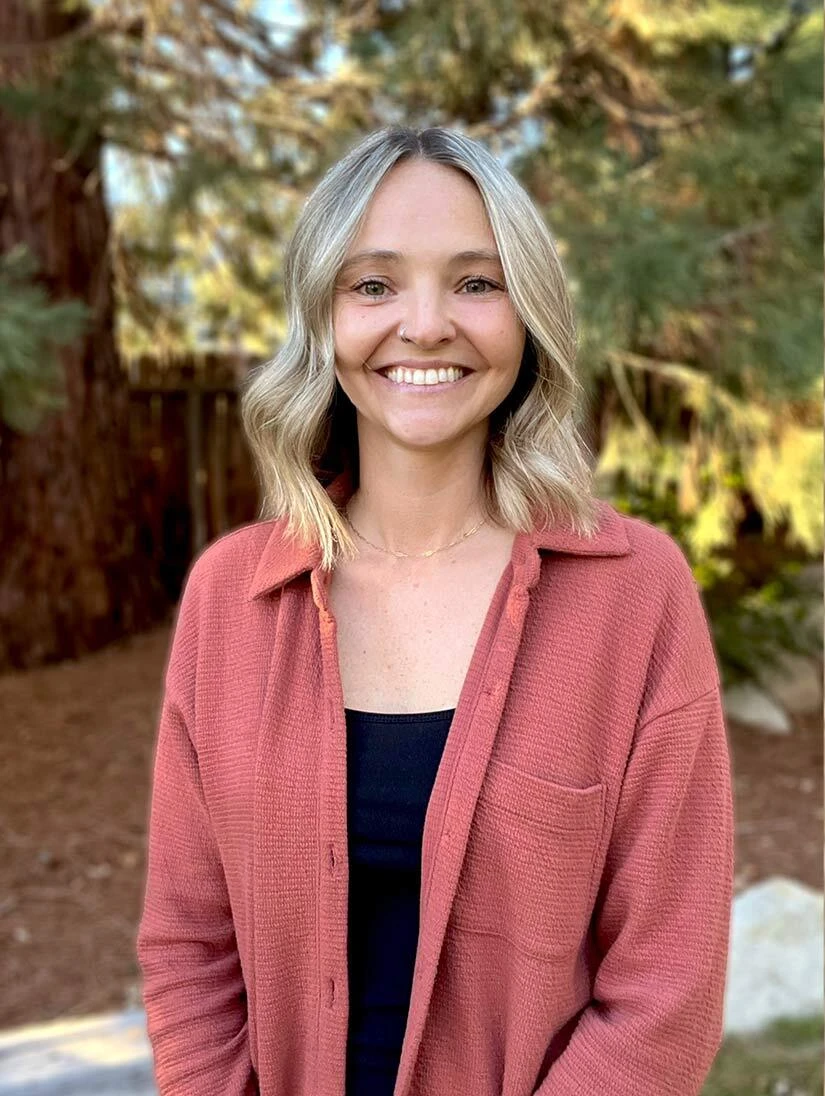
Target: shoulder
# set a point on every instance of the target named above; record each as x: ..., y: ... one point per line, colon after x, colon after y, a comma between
x: 221, y: 574
x: 656, y: 572
x: 634, y: 558
x: 656, y: 556
x: 234, y: 555
x: 662, y: 590
x: 214, y: 600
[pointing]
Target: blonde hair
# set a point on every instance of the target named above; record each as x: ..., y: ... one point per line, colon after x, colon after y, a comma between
x: 300, y: 426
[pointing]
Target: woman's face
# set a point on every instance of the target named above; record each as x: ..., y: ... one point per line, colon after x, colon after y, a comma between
x: 425, y: 260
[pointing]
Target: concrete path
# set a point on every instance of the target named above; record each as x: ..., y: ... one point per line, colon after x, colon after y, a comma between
x: 98, y: 1056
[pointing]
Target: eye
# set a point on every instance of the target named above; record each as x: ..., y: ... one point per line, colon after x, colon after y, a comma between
x: 481, y: 286
x: 371, y: 283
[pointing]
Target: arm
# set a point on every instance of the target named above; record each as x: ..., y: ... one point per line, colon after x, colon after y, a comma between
x: 193, y: 988
x: 662, y: 918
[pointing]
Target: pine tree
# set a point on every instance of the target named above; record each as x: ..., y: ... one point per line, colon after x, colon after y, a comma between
x: 73, y: 575
x: 221, y: 122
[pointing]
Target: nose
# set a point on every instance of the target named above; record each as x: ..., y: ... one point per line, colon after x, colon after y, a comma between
x: 426, y: 320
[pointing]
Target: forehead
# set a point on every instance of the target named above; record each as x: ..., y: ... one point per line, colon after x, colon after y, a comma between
x: 419, y: 204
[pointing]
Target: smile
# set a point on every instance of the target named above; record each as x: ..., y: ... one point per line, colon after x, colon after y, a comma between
x: 441, y: 378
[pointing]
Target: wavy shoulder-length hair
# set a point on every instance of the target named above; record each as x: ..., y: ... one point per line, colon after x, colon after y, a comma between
x: 301, y: 427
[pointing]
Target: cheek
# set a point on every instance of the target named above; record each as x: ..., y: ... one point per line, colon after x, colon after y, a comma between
x: 516, y: 333
x: 506, y: 336
x: 355, y: 333
x: 506, y: 352
x: 519, y: 337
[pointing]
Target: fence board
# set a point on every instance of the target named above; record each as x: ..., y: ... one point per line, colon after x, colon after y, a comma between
x: 192, y: 465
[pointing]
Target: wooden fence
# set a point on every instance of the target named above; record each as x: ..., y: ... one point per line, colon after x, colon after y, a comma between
x: 192, y: 466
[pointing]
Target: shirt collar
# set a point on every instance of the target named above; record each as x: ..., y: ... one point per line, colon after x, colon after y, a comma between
x: 284, y: 559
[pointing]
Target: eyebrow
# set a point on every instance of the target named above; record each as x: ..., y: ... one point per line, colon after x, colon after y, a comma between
x: 476, y: 255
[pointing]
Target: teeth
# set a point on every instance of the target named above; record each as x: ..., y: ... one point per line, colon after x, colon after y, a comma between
x: 401, y: 375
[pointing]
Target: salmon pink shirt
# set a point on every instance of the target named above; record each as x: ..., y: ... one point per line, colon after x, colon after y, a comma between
x: 577, y: 857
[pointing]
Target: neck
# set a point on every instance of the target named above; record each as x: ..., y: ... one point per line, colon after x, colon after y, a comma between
x: 413, y: 501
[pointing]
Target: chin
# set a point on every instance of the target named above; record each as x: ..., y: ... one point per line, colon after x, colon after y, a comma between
x: 422, y: 441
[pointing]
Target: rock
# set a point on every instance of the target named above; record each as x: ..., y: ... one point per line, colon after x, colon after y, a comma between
x: 812, y: 576
x: 749, y: 704
x: 794, y: 682
x: 776, y: 955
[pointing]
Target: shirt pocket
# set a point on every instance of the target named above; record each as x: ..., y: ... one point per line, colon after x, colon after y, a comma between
x: 528, y: 869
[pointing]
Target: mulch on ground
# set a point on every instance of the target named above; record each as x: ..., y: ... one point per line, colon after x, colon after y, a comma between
x: 75, y: 774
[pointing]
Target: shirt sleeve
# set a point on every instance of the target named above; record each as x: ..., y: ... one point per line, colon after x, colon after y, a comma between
x: 193, y: 988
x: 662, y: 917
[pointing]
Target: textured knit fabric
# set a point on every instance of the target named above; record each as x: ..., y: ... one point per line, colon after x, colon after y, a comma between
x: 577, y: 858
x: 392, y: 761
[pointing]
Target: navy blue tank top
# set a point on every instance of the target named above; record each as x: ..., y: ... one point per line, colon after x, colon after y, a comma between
x: 392, y: 761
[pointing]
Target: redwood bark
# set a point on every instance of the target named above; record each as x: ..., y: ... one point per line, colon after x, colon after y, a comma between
x: 73, y: 572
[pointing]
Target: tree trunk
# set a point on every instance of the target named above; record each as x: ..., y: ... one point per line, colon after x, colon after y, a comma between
x: 74, y: 574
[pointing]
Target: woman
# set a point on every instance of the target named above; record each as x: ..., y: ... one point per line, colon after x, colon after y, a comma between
x: 442, y: 796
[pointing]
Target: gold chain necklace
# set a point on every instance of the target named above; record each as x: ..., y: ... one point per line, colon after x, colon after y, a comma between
x: 412, y: 555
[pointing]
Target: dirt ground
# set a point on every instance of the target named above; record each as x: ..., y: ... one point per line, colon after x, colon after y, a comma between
x: 75, y: 770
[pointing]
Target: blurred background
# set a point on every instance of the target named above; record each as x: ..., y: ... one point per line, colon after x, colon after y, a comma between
x: 153, y: 158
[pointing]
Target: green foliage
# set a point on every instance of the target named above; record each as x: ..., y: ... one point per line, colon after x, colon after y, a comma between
x: 31, y: 329
x: 220, y: 120
x: 226, y: 290
x: 750, y: 627
x: 713, y: 347
x: 70, y: 96
x: 756, y: 601
x: 734, y: 446
x: 785, y: 1058
x: 786, y: 480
